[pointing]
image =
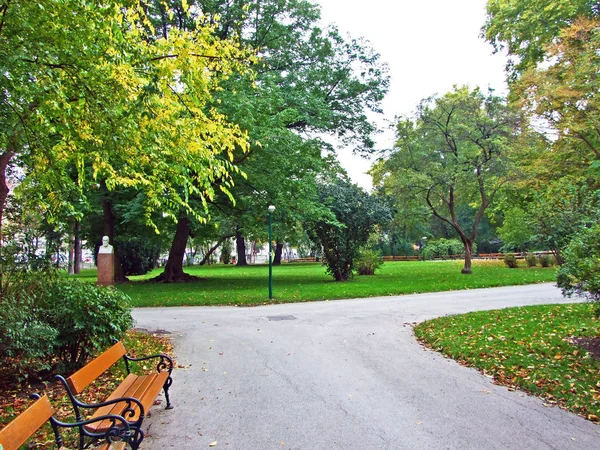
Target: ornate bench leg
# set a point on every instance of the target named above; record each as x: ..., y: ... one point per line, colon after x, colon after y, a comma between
x: 166, y: 387
x: 136, y: 438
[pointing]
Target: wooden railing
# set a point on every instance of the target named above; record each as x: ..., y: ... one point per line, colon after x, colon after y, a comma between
x: 400, y: 258
x: 306, y: 259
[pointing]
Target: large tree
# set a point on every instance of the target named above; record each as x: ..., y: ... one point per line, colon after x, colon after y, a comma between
x: 557, y: 188
x: 564, y: 95
x: 85, y: 86
x: 452, y: 153
x: 308, y: 81
x: 525, y: 28
x: 353, y: 216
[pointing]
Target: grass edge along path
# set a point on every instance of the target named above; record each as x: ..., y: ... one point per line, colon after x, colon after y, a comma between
x: 14, y: 399
x: 530, y: 348
x: 231, y: 285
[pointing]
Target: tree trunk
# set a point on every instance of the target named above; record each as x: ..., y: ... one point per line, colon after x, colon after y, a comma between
x: 4, y: 190
x: 211, y: 251
x: 71, y: 257
x: 240, y: 246
x: 77, y: 249
x: 468, y: 257
x: 174, y: 268
x: 278, y: 252
x: 109, y: 230
x: 558, y: 256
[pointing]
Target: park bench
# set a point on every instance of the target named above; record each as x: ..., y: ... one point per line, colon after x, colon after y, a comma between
x: 17, y: 432
x: 306, y: 259
x: 132, y: 399
x: 401, y: 258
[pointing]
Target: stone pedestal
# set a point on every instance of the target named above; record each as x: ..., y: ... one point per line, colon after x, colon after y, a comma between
x: 106, y: 269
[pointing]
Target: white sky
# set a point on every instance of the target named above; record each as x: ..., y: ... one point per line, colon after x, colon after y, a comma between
x: 429, y: 45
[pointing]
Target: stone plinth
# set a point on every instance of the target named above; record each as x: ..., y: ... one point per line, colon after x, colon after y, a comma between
x: 106, y: 269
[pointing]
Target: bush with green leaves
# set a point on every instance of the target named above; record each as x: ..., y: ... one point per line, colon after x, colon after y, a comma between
x: 546, y: 260
x: 444, y: 248
x: 87, y: 317
x: 368, y: 262
x: 531, y: 260
x: 353, y: 215
x: 25, y: 337
x: 580, y: 273
x: 510, y: 260
x: 45, y: 317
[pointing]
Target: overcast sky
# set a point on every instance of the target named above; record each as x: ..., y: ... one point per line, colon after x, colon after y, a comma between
x: 429, y: 45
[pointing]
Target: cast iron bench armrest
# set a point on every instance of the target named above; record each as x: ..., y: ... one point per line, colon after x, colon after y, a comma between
x: 127, y: 412
x: 118, y: 431
x: 165, y: 363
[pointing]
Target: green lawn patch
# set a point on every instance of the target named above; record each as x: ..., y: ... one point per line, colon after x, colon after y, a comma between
x: 531, y: 348
x: 232, y: 285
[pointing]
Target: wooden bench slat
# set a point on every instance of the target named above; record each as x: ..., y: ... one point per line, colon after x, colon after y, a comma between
x: 92, y: 370
x: 121, y: 391
x: 145, y: 388
x: 16, y: 433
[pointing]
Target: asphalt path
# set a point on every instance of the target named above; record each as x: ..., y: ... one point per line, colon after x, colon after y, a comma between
x: 345, y: 374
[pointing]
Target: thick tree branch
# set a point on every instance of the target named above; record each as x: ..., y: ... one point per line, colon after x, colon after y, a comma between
x: 434, y: 210
x: 197, y: 55
x: 3, y: 11
x: 588, y: 143
x: 36, y: 60
x: 214, y: 247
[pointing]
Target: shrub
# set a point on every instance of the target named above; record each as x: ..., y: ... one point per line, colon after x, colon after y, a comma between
x: 531, y: 260
x: 25, y: 338
x: 546, y: 260
x: 443, y: 248
x: 367, y: 262
x: 87, y: 317
x: 510, y: 260
x: 353, y: 215
x: 138, y: 256
x: 580, y: 274
x: 44, y: 318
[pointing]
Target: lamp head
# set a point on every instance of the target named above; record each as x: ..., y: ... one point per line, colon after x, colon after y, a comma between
x: 271, y: 209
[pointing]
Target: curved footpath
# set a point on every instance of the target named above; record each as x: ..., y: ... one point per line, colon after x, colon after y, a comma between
x: 345, y: 375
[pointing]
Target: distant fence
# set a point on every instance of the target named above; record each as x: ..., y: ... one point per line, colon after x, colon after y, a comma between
x: 400, y: 258
x: 485, y: 256
x: 307, y: 259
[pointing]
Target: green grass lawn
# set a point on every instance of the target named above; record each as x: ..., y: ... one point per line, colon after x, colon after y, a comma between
x: 530, y: 348
x: 231, y: 285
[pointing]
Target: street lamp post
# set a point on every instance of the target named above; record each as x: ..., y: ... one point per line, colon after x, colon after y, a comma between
x: 271, y: 209
x: 424, y: 241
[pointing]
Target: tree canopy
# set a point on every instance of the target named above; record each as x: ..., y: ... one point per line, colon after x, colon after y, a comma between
x: 452, y: 153
x: 524, y: 28
x: 354, y: 214
x: 85, y: 85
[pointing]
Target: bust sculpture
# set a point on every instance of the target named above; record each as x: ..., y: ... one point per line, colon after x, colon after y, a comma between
x: 105, y: 247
